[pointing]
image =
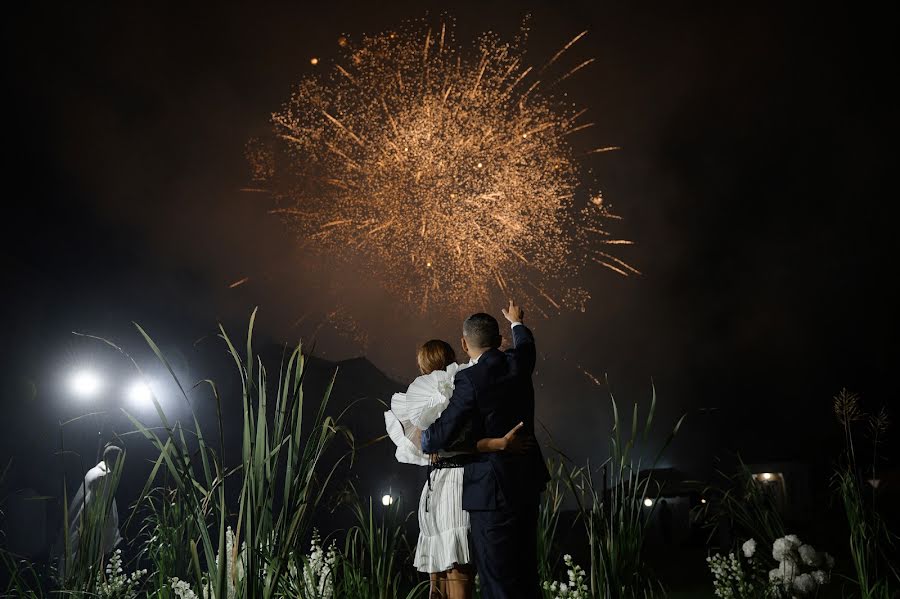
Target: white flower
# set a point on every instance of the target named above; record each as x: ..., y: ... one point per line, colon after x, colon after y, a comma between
x: 749, y: 548
x: 775, y: 575
x: 820, y: 577
x: 805, y: 584
x: 182, y: 589
x: 780, y: 548
x: 116, y: 584
x: 785, y: 547
x: 809, y: 555
x: 575, y: 588
x: 788, y: 570
x: 318, y: 569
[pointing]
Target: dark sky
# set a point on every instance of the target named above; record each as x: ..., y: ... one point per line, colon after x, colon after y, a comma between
x: 757, y: 177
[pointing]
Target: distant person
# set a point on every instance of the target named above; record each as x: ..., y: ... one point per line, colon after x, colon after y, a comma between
x: 95, y: 492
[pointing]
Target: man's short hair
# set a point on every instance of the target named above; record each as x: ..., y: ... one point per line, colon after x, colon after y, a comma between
x: 481, y: 330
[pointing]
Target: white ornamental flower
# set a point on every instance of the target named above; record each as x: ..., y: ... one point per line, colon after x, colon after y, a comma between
x: 805, y: 584
x: 749, y: 548
x: 780, y: 549
x: 820, y: 577
x: 182, y: 589
x: 789, y: 571
x: 793, y: 540
x: 809, y: 555
x: 775, y: 575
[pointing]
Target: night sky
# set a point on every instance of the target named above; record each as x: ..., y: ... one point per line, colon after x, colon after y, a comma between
x: 756, y: 177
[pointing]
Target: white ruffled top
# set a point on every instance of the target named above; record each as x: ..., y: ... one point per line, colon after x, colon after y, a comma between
x: 418, y: 408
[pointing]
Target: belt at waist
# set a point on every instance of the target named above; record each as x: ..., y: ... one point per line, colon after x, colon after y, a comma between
x: 456, y: 461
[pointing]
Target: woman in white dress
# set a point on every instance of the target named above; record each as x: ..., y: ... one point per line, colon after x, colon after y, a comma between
x: 443, y: 546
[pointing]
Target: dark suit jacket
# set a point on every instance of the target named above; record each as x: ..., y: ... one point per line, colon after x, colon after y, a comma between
x: 494, y: 395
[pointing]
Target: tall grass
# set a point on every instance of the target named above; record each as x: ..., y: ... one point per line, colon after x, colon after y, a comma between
x: 279, y: 481
x: 166, y: 536
x: 280, y: 475
x: 872, y: 545
x: 744, y: 506
x: 549, y: 555
x: 614, y: 514
x: 376, y: 559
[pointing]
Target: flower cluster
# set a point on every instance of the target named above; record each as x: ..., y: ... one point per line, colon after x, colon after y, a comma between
x: 735, y: 578
x: 801, y: 569
x: 318, y: 569
x: 314, y: 576
x: 576, y: 588
x: 234, y: 574
x: 182, y: 589
x: 116, y: 584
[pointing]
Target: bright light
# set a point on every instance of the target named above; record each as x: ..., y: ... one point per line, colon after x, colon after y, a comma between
x: 703, y: 501
x: 766, y: 476
x: 313, y: 61
x: 387, y: 500
x: 140, y: 395
x: 85, y: 383
x: 648, y: 502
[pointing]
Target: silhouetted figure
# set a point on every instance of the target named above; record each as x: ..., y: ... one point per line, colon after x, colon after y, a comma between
x: 93, y: 493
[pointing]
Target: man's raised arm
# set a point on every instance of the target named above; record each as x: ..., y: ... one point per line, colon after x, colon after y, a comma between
x: 523, y: 340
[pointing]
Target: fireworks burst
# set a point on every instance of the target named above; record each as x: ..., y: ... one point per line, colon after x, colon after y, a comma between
x: 448, y: 171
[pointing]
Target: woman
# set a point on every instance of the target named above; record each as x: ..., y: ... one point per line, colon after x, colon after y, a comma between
x: 443, y: 546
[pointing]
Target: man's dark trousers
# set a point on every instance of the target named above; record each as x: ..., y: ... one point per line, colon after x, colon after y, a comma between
x: 505, y: 545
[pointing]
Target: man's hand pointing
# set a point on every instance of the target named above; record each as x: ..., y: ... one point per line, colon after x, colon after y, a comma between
x: 514, y: 313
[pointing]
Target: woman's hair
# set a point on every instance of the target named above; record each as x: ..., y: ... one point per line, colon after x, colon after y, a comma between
x: 435, y: 355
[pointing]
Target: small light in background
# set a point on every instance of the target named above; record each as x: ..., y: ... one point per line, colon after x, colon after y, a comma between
x: 703, y: 500
x: 313, y: 61
x: 766, y: 476
x: 140, y: 395
x: 85, y: 384
x: 648, y: 502
x: 387, y: 500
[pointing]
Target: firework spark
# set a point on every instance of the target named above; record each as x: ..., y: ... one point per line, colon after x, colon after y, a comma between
x: 592, y: 378
x: 448, y: 171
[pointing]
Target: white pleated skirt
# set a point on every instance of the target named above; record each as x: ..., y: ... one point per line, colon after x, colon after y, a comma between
x: 443, y: 524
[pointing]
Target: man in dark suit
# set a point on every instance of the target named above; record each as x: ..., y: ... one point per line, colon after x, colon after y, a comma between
x: 501, y: 491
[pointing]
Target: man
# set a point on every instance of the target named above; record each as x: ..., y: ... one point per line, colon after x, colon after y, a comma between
x: 501, y: 491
